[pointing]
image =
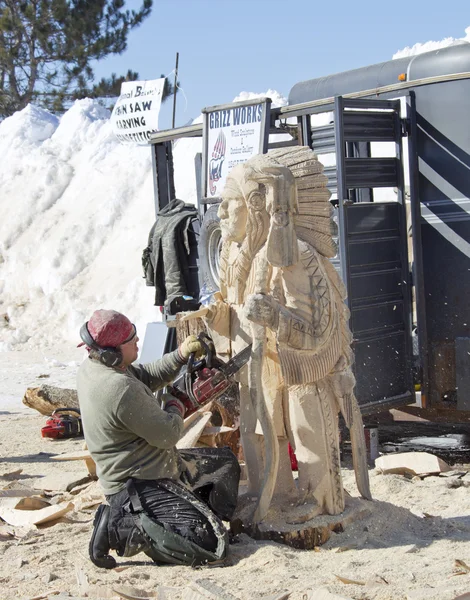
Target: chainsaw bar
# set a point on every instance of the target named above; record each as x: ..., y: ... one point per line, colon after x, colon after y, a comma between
x: 237, y: 362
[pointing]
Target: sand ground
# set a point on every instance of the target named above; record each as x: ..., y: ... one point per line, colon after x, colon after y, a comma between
x: 405, y: 548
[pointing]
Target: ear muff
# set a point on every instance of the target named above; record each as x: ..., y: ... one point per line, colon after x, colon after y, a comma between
x: 111, y: 357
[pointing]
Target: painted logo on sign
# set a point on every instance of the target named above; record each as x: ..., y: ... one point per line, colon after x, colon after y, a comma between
x: 216, y: 162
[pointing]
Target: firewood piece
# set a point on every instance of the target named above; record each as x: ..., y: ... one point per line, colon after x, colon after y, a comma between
x: 47, y: 398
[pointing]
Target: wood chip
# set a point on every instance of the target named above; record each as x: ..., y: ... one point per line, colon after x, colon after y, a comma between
x: 462, y: 566
x: 458, y: 474
x: 323, y: 594
x: 82, y: 581
x: 205, y: 589
x: 416, y: 463
x: 22, y: 518
x: 46, y: 595
x: 6, y: 533
x: 11, y: 474
x: 61, y: 482
x: 18, y: 493
x: 132, y: 593
x: 350, y: 581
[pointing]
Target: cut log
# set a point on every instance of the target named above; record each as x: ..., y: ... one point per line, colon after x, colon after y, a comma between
x: 415, y: 463
x: 47, y: 398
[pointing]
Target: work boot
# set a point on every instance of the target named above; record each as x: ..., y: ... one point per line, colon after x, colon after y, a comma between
x: 99, y: 544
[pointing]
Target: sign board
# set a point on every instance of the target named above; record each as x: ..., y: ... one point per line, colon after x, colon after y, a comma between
x: 135, y: 114
x: 233, y: 133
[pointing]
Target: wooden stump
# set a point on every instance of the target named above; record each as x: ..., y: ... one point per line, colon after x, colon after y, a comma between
x: 47, y: 398
x: 303, y: 536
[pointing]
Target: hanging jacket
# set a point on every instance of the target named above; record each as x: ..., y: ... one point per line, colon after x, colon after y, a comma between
x: 165, y: 261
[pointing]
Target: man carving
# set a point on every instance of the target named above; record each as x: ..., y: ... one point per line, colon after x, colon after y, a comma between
x: 281, y: 293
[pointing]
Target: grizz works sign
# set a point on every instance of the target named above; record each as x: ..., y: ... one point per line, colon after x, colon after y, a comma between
x: 135, y: 114
x: 233, y: 133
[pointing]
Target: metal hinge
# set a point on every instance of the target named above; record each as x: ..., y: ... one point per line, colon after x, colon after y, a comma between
x: 405, y: 127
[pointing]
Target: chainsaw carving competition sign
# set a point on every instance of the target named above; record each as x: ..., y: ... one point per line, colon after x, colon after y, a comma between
x: 135, y: 114
x: 232, y: 135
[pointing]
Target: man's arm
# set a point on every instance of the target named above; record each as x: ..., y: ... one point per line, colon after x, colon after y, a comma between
x: 142, y: 415
x: 159, y: 373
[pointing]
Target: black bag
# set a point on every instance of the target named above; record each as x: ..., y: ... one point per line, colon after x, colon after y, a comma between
x: 179, y: 528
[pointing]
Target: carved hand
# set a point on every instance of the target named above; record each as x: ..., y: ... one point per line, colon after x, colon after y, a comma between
x: 218, y: 317
x: 263, y: 310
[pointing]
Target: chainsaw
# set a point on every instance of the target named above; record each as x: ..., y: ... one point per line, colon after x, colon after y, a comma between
x: 59, y: 426
x: 206, y: 379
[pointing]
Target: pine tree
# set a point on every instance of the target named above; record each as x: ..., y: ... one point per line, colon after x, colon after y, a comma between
x: 47, y: 47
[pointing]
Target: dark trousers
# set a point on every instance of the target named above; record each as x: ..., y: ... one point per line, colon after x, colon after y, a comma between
x: 212, y: 475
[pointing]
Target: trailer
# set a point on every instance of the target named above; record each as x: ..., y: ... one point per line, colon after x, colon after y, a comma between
x: 395, y: 141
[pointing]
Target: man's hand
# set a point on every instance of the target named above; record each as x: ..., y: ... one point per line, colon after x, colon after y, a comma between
x: 262, y: 310
x: 173, y: 405
x: 191, y: 344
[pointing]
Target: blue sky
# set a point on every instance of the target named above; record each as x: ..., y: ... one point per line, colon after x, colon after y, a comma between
x: 230, y: 46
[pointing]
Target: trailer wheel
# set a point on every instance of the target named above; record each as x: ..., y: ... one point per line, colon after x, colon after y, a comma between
x: 210, y: 245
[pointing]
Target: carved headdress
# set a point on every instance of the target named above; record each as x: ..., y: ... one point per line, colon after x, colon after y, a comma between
x: 312, y: 219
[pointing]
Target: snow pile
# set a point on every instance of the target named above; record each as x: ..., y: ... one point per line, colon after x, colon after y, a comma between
x: 419, y: 48
x: 76, y: 207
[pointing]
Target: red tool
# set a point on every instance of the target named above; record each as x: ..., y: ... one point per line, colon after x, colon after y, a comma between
x: 60, y: 425
x: 206, y: 379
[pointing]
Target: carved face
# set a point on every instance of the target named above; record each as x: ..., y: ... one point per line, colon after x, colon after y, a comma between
x: 233, y: 215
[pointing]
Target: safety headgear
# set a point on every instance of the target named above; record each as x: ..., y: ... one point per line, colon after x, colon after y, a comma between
x: 104, y: 332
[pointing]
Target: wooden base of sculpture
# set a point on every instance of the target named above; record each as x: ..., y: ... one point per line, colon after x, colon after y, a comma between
x: 314, y: 532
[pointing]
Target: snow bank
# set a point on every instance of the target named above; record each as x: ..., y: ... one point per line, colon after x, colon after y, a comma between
x: 76, y: 210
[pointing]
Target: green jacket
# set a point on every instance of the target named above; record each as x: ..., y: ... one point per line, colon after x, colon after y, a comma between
x: 127, y: 432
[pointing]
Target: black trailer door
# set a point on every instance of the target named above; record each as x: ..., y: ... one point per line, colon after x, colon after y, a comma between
x: 373, y: 251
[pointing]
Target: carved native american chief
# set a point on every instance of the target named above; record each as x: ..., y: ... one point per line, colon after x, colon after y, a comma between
x: 280, y: 292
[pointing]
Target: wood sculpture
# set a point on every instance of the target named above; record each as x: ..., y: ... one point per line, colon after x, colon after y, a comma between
x: 280, y: 292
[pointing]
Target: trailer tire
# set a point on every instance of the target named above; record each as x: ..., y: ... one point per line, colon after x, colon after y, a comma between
x: 210, y: 243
